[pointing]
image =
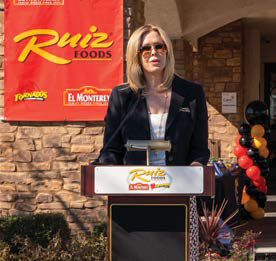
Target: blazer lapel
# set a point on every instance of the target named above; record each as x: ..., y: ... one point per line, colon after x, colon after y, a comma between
x: 175, y: 105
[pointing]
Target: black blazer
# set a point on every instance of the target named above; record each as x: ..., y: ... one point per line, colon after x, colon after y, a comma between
x: 186, y: 126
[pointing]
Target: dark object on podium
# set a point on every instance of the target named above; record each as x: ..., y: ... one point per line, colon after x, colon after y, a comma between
x: 148, y: 225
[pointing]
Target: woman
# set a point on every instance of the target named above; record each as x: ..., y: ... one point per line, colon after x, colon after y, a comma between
x: 155, y: 104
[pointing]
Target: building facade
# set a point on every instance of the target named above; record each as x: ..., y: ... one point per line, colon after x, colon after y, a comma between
x: 224, y: 51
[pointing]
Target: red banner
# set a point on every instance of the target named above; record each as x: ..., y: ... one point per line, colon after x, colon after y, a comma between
x: 62, y: 58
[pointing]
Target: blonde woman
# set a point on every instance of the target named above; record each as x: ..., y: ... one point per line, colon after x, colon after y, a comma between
x: 155, y: 104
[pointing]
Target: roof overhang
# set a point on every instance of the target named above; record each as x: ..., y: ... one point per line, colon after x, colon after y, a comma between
x: 192, y: 19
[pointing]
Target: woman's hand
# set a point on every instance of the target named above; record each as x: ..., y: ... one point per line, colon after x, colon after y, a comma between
x: 195, y: 163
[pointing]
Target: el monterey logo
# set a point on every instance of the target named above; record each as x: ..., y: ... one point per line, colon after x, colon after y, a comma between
x: 156, y: 179
x: 86, y: 96
x: 139, y: 186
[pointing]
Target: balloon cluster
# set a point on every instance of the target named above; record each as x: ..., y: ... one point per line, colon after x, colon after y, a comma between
x: 252, y: 153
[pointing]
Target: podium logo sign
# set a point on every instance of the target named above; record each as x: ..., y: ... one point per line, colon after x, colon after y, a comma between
x: 153, y: 179
x: 131, y: 180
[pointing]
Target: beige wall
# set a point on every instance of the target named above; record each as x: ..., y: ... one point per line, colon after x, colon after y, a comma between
x: 252, y: 64
x: 259, y: 48
x: 164, y: 14
x: 268, y: 55
x: 268, y: 49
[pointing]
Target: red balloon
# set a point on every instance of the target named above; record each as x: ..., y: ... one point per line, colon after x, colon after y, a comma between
x: 262, y: 188
x: 239, y: 151
x: 238, y: 139
x: 253, y: 173
x: 245, y: 162
x: 259, y: 182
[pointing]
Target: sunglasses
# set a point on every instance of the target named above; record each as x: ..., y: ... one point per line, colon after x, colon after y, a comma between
x: 146, y: 50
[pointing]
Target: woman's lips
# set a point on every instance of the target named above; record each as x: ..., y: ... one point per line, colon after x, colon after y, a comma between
x: 155, y: 61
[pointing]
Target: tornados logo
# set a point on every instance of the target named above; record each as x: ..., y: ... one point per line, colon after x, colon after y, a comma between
x: 31, y: 96
x: 94, y: 40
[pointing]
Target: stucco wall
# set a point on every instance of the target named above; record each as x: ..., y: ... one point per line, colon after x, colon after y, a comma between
x: 252, y: 64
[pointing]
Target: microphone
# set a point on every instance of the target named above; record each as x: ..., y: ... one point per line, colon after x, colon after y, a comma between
x: 98, y: 160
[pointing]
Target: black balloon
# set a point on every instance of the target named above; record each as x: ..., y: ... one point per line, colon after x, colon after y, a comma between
x: 266, y: 126
x: 244, y: 214
x: 247, y: 181
x: 261, y: 197
x: 257, y: 112
x: 245, y: 141
x: 267, y: 136
x: 236, y: 170
x: 252, y: 152
x: 265, y: 172
x: 244, y: 129
x: 261, y: 204
x: 252, y: 191
x: 262, y: 162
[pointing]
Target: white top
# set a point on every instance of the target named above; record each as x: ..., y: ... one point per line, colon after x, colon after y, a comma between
x: 157, y: 132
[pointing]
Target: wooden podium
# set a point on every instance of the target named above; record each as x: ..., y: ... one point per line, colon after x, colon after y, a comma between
x: 149, y: 208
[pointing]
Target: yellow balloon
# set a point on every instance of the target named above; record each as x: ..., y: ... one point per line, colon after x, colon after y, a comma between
x: 259, y: 142
x: 264, y: 152
x: 257, y: 131
x: 258, y: 214
x: 245, y: 196
x: 251, y: 205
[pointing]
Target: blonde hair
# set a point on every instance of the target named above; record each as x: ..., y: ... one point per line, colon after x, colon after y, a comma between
x: 135, y: 76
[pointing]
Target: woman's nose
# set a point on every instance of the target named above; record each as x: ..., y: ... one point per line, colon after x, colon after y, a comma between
x: 153, y: 51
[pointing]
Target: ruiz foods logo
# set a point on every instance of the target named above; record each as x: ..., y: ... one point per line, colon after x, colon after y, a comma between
x: 94, y: 40
x: 155, y: 180
x: 86, y: 96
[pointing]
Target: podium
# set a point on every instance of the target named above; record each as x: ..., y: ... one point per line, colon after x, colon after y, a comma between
x: 150, y: 212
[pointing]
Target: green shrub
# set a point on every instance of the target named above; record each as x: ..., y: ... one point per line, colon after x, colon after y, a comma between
x: 78, y: 248
x: 99, y: 229
x: 38, y: 228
